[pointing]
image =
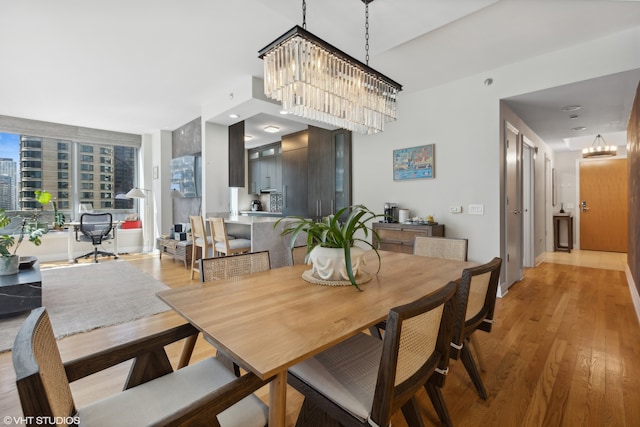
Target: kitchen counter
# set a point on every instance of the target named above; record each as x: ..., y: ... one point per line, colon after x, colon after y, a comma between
x: 264, y: 237
x: 261, y: 213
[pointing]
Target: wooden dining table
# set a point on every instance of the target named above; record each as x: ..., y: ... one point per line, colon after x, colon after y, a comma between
x: 269, y: 321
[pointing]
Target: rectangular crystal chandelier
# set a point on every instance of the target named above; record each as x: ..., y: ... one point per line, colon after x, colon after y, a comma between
x: 317, y: 81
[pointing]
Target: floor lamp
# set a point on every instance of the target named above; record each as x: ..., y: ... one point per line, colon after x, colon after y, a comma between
x: 139, y: 193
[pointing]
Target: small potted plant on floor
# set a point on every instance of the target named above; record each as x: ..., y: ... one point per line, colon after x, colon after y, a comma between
x: 331, y: 243
x: 9, y: 261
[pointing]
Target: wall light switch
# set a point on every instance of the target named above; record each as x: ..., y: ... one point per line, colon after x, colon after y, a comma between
x: 476, y: 209
x: 455, y: 209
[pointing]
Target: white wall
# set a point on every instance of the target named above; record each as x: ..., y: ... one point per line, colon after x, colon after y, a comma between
x: 215, y: 169
x: 462, y: 120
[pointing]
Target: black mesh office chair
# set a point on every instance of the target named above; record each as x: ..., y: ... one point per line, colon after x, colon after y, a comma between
x: 95, y: 227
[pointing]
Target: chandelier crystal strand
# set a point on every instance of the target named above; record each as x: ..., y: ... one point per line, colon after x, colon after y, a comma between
x: 315, y: 80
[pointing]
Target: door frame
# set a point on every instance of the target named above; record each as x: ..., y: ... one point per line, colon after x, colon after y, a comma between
x: 528, y: 202
x: 576, y: 233
x: 508, y: 280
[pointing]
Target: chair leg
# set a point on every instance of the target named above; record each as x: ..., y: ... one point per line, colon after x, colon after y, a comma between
x: 375, y: 332
x: 437, y: 400
x: 470, y: 366
x: 312, y: 416
x: 476, y: 351
x: 193, y: 258
x: 412, y: 414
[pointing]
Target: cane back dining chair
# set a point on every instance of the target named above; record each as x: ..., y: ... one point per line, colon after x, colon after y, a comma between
x: 440, y: 247
x: 474, y: 311
x: 448, y: 248
x: 234, y: 265
x: 205, y: 393
x: 222, y: 244
x: 226, y: 267
x: 363, y: 381
x: 298, y: 255
x: 435, y: 247
x: 201, y: 242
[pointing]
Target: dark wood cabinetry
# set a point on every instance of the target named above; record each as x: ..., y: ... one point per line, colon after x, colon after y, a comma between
x: 294, y: 173
x: 329, y: 171
x: 236, y: 155
x: 399, y: 237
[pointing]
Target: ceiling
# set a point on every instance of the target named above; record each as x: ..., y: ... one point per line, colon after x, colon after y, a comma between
x: 153, y: 64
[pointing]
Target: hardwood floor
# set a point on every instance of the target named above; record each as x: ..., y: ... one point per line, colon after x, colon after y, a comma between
x: 563, y: 352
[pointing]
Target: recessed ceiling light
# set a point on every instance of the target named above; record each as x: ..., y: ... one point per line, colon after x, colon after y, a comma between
x: 234, y: 116
x: 579, y: 128
x: 248, y: 137
x: 272, y: 129
x: 571, y: 108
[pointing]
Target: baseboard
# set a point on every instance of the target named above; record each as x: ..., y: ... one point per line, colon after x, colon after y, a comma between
x: 633, y: 289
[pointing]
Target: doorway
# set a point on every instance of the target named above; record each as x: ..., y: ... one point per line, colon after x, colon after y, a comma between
x: 513, y: 205
x: 603, y: 207
x: 528, y: 193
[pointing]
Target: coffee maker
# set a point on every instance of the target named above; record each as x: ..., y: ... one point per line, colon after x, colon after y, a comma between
x: 390, y: 212
x: 256, y: 205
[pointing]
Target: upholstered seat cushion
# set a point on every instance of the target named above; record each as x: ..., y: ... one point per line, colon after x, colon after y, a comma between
x: 234, y: 244
x: 150, y: 402
x: 200, y: 241
x: 346, y: 373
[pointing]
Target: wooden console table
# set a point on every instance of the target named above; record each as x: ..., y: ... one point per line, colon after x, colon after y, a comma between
x: 179, y: 250
x: 20, y: 292
x: 557, y: 219
x: 399, y: 237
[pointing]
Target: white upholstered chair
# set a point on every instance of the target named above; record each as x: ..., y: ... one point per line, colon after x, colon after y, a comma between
x: 222, y: 244
x: 202, y: 242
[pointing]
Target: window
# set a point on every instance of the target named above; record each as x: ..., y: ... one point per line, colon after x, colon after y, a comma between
x: 29, y: 163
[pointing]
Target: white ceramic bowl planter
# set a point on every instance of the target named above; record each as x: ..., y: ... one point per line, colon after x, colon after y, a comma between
x: 328, y: 263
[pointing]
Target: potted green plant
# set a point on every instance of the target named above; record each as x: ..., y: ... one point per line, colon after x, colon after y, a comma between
x: 44, y: 197
x: 9, y: 261
x: 330, y: 235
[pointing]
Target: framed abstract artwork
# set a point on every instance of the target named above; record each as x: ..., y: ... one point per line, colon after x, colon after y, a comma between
x: 414, y: 163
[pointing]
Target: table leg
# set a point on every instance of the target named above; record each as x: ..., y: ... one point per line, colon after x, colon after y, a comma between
x: 278, y: 400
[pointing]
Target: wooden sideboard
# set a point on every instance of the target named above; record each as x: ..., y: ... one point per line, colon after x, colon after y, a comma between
x: 399, y: 237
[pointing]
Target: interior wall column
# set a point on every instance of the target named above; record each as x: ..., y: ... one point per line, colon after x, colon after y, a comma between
x: 162, y: 144
x: 215, y: 170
